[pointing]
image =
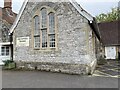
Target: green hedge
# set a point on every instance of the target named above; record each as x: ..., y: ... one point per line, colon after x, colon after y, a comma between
x: 9, y: 64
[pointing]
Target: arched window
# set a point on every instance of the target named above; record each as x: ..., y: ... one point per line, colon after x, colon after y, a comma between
x: 44, y: 29
x: 43, y: 18
x: 51, y: 23
x: 37, y: 25
x: 36, y: 32
x: 52, y: 29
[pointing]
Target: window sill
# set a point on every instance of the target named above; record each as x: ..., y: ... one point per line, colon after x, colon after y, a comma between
x: 36, y: 48
x: 46, y: 49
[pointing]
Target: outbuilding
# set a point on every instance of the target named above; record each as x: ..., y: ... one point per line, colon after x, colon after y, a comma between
x: 110, y: 32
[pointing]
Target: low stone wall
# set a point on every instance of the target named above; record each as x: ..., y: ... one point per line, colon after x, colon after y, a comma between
x: 68, y: 68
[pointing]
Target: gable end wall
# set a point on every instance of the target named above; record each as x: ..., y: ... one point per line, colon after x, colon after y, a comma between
x: 73, y: 40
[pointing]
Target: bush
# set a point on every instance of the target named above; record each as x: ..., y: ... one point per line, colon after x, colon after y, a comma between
x: 9, y: 64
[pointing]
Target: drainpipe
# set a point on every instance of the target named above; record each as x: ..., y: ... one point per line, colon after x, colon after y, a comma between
x: 11, y: 39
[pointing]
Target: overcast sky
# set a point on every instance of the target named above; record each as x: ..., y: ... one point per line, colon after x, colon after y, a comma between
x: 94, y: 7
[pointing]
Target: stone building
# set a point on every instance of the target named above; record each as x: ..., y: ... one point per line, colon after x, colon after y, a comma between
x: 7, y: 17
x: 110, y: 39
x: 55, y: 36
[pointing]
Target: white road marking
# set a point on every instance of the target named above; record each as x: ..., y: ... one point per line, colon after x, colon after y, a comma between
x: 105, y: 75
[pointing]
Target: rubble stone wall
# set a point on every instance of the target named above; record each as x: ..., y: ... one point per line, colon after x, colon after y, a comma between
x: 75, y: 51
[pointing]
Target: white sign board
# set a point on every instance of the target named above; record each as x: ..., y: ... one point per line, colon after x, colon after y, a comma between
x: 22, y: 41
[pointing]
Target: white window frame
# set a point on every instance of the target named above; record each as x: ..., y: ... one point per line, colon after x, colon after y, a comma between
x: 4, y: 52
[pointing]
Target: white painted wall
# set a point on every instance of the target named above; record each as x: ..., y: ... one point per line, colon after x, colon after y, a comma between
x: 1, y: 63
x: 0, y: 52
x: 110, y: 52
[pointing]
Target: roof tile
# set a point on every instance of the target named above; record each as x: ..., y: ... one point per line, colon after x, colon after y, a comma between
x: 110, y: 32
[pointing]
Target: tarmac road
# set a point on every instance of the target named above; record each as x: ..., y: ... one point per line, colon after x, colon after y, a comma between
x: 38, y: 79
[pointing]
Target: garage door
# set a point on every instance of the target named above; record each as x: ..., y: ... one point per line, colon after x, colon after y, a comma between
x: 110, y: 52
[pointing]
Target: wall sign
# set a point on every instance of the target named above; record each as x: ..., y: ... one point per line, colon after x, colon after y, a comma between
x: 22, y: 41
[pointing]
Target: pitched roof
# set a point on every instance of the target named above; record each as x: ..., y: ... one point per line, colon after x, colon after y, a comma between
x: 110, y: 33
x: 8, y: 15
x: 73, y: 2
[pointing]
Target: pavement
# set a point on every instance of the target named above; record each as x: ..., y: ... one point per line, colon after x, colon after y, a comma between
x: 38, y: 79
x: 110, y: 69
x: 105, y: 76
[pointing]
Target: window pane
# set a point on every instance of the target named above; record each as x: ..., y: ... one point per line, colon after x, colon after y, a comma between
x: 52, y: 40
x: 37, y: 41
x: 3, y: 51
x: 52, y: 44
x: 44, y: 38
x: 51, y: 23
x: 7, y: 51
x: 37, y: 26
x: 44, y: 18
x: 7, y: 48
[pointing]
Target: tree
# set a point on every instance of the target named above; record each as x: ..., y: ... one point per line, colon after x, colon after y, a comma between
x: 111, y: 16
